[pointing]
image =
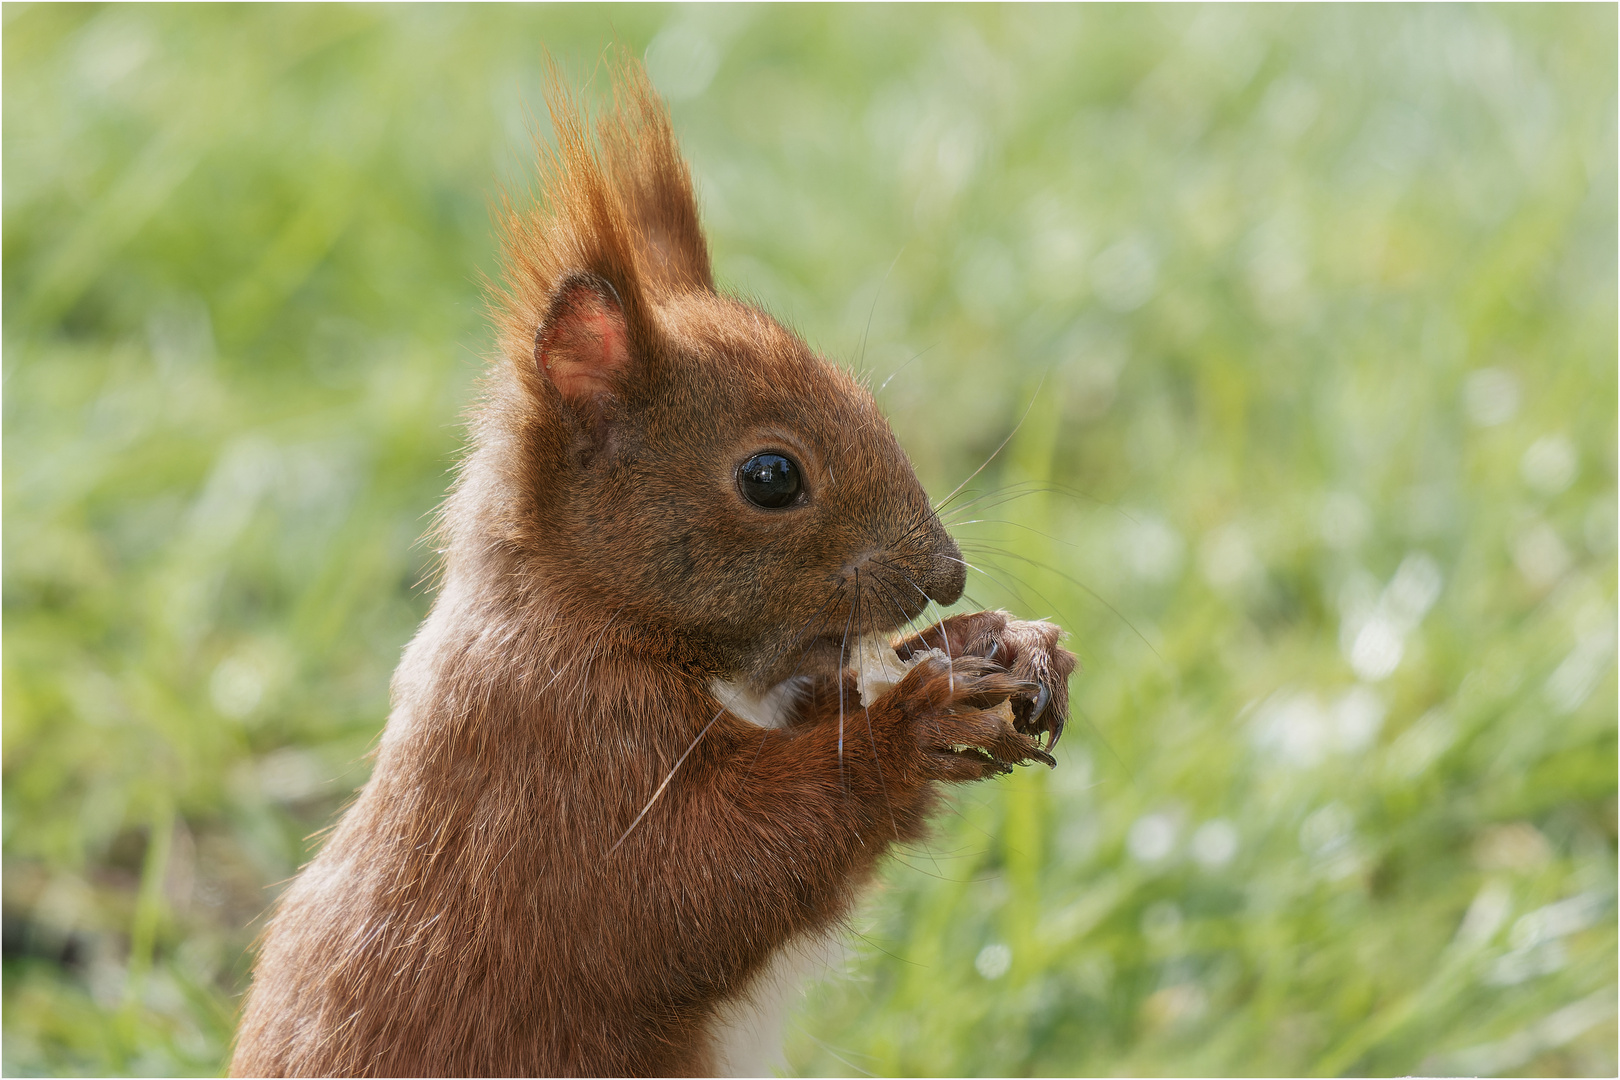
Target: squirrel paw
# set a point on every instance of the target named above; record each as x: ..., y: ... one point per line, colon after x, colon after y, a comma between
x: 965, y: 719
x: 1028, y: 650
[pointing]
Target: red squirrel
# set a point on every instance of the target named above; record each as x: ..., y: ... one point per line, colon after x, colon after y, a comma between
x: 628, y: 763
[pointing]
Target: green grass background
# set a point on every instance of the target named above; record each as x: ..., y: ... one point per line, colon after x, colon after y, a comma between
x: 1309, y: 314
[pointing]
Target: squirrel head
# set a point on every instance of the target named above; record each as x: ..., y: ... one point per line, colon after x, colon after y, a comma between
x: 672, y: 456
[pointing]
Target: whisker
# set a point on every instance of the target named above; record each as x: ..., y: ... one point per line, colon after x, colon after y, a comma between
x: 946, y: 500
x: 699, y: 738
x: 842, y: 647
x: 1005, y: 494
x: 875, y: 297
x: 799, y: 664
x: 851, y: 1066
x: 943, y: 633
x: 1091, y: 725
x: 1017, y: 525
x: 901, y: 368
x: 1077, y: 583
x: 907, y: 621
x: 1015, y: 593
x: 667, y: 778
x: 922, y: 522
x: 990, y: 500
x: 866, y: 711
x: 1050, y: 487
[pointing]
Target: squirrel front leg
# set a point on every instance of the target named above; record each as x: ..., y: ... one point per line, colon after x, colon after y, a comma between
x: 944, y: 720
x: 1028, y: 649
x: 790, y: 820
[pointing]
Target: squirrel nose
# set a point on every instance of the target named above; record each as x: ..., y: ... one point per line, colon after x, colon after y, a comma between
x: 938, y: 570
x: 947, y: 575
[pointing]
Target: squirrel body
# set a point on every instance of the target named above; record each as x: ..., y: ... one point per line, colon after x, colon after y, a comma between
x: 627, y: 775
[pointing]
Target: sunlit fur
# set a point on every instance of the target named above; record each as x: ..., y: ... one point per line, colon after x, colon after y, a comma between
x: 570, y: 858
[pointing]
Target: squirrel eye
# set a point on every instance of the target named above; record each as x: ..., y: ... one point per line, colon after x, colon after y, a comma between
x: 769, y: 480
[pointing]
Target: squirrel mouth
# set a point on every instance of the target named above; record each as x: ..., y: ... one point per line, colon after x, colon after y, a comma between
x: 820, y: 655
x: 829, y: 652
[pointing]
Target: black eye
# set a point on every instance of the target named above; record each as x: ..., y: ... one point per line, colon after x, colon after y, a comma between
x: 769, y: 480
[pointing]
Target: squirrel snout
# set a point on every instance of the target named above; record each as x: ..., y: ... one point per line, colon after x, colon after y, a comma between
x: 937, y: 572
x: 933, y: 572
x: 948, y: 571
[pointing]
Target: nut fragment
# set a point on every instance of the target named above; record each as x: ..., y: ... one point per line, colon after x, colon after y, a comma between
x: 877, y: 668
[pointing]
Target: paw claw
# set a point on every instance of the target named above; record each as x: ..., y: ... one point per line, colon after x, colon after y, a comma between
x: 1041, y: 702
x: 992, y: 689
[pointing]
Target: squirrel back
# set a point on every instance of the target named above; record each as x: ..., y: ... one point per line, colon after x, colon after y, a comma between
x: 579, y: 846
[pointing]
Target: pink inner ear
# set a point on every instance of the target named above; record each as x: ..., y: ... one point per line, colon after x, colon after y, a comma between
x: 584, y: 347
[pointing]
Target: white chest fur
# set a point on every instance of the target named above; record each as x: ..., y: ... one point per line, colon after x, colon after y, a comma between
x: 747, y: 1032
x: 771, y: 709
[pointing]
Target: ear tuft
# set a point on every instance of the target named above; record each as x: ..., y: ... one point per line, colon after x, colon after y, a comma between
x: 583, y: 346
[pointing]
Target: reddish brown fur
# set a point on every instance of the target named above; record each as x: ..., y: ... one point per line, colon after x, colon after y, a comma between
x: 471, y: 913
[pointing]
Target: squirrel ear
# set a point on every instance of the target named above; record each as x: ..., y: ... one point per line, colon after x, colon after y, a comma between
x: 583, y: 346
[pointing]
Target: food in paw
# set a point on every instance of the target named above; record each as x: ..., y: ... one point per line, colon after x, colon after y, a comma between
x: 878, y: 668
